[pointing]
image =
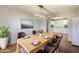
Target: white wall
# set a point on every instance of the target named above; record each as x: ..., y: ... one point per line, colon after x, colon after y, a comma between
x: 12, y: 19
x: 42, y: 24
x: 74, y: 31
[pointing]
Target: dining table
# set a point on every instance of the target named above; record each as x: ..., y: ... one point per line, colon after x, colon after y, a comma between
x: 27, y: 42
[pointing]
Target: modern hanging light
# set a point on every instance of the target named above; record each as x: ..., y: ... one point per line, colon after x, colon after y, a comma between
x: 41, y: 13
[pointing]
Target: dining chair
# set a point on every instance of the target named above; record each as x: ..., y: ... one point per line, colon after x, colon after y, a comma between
x: 54, y: 40
x: 54, y: 46
x: 34, y: 32
x: 21, y: 34
x: 51, y: 48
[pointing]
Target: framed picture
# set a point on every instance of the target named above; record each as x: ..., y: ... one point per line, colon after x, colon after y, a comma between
x: 25, y: 24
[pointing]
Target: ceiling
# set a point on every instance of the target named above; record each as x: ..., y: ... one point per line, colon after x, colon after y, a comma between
x: 52, y: 10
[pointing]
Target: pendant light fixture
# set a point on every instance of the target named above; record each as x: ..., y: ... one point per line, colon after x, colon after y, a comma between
x: 40, y: 13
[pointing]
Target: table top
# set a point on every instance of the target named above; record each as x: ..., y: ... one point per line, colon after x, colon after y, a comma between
x: 27, y: 43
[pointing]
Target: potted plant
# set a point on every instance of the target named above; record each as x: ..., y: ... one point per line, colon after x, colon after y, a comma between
x: 3, y: 36
x: 40, y: 31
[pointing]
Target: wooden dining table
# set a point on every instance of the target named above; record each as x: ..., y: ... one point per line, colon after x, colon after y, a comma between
x: 26, y: 43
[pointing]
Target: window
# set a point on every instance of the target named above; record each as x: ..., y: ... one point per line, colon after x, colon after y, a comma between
x: 59, y: 23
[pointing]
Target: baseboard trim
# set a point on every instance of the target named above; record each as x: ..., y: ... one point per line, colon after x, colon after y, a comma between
x: 11, y: 43
x: 75, y: 45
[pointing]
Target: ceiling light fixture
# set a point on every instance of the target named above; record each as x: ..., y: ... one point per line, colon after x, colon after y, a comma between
x: 41, y: 13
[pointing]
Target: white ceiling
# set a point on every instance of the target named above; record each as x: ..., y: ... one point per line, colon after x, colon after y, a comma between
x: 52, y: 9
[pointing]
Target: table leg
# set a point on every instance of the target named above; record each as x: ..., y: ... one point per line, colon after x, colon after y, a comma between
x: 18, y: 47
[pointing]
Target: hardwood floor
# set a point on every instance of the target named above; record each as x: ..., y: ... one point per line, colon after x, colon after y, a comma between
x: 10, y: 49
x: 65, y: 47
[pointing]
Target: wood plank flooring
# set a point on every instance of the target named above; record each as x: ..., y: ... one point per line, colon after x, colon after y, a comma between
x: 66, y: 47
x: 10, y: 48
